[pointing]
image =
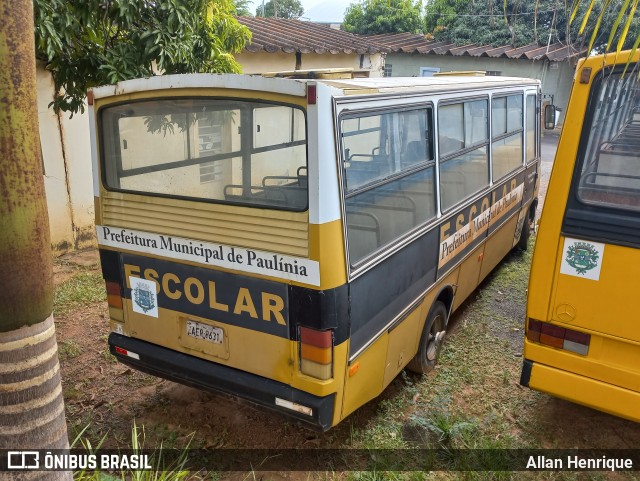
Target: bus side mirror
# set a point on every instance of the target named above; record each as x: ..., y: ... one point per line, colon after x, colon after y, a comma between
x: 550, y: 117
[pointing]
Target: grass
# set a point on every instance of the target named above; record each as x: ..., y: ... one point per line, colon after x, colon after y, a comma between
x: 84, y: 288
x: 161, y: 471
x: 472, y: 400
x: 466, y: 402
x: 68, y: 349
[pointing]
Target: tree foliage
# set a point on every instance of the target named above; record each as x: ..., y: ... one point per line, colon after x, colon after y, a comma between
x: 623, y: 33
x: 522, y: 22
x: 97, y: 42
x: 242, y: 8
x: 384, y: 16
x: 280, y: 9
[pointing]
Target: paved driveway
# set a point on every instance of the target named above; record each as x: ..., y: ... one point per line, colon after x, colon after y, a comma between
x: 548, y: 146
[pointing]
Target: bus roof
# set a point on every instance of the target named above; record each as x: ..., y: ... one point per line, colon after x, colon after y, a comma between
x: 426, y: 84
x: 297, y: 87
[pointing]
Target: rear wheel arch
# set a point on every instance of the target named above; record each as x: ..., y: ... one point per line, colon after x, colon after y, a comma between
x: 446, y: 297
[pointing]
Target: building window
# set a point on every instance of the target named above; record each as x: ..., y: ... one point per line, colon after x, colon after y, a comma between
x: 387, y: 70
x: 428, y: 71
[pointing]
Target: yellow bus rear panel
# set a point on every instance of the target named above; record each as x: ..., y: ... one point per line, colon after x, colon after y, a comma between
x: 583, y: 390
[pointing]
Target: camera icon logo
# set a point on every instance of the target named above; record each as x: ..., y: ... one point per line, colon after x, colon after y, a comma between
x: 23, y: 460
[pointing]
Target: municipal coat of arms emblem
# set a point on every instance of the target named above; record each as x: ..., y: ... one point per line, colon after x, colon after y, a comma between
x: 582, y: 256
x: 144, y: 297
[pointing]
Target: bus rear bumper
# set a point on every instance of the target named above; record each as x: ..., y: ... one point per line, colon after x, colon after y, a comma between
x: 192, y: 371
x: 582, y: 390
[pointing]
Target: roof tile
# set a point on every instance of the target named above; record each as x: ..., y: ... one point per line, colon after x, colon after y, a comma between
x: 285, y: 35
x: 289, y: 36
x: 414, y: 43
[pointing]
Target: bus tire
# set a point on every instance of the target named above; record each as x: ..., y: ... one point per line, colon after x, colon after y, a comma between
x: 523, y: 243
x: 431, y: 340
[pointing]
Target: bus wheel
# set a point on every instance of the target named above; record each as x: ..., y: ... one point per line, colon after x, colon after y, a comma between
x: 523, y: 243
x: 431, y: 340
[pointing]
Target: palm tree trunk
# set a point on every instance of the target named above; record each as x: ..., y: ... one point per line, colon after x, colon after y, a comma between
x: 31, y: 404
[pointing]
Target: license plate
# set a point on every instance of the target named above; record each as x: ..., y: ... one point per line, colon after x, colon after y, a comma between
x: 205, y: 332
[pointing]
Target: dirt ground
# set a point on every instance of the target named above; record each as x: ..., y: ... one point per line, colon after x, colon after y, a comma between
x: 107, y: 397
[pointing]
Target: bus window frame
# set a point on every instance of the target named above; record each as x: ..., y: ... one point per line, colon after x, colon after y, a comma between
x: 441, y: 216
x: 102, y: 160
x: 538, y: 109
x: 523, y: 93
x: 355, y: 269
x: 443, y: 159
x: 583, y: 218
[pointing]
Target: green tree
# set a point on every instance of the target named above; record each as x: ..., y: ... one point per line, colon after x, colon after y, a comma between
x: 242, y: 8
x: 31, y: 404
x: 384, y: 16
x: 442, y: 15
x: 93, y: 42
x: 516, y: 22
x: 623, y: 33
x: 280, y: 9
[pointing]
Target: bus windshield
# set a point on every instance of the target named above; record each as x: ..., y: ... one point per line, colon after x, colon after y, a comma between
x: 221, y: 150
x: 611, y: 163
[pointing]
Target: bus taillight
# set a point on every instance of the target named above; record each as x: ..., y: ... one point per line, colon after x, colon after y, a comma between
x: 114, y: 296
x: 560, y: 337
x: 316, y: 353
x: 114, y: 301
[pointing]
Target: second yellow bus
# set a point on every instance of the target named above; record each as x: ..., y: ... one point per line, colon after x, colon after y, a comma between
x: 583, y: 308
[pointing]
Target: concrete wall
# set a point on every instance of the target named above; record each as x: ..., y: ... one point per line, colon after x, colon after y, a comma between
x: 67, y: 171
x: 556, y: 79
x: 263, y: 62
x: 266, y: 62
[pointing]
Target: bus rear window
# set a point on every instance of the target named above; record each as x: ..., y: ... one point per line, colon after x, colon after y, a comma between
x: 610, y: 174
x: 229, y: 151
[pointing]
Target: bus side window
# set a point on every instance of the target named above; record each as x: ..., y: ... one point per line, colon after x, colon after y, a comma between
x: 365, y: 146
x: 507, y: 132
x: 389, y: 177
x: 463, y: 145
x: 415, y: 138
x: 531, y: 125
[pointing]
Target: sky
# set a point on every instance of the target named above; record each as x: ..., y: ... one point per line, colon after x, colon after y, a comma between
x: 319, y: 10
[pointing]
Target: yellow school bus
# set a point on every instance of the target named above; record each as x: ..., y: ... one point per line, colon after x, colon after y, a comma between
x: 298, y: 241
x: 583, y: 308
